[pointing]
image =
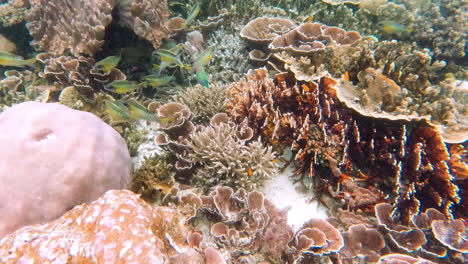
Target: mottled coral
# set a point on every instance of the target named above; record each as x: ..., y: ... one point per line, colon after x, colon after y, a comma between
x: 54, y: 158
x: 13, y: 12
x: 80, y: 25
x: 119, y: 227
x: 361, y: 241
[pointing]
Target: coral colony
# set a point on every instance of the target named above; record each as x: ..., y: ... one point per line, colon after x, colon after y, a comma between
x: 244, y: 132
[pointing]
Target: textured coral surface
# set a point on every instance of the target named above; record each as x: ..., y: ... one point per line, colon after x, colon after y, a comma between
x: 53, y: 158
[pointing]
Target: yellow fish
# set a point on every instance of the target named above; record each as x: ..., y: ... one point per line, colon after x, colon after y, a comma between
x: 8, y: 59
x: 107, y: 64
x: 157, y: 80
x: 122, y: 86
x: 392, y: 27
x: 117, y: 111
x: 193, y: 13
x: 204, y: 57
x: 138, y: 111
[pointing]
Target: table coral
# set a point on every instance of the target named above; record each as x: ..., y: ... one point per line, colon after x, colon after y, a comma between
x: 119, y: 227
x: 53, y: 158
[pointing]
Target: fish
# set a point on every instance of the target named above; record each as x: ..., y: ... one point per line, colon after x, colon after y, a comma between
x: 200, y: 75
x: 158, y: 80
x: 117, y: 111
x: 392, y: 27
x: 249, y: 171
x: 122, y: 86
x: 9, y: 59
x: 204, y: 57
x: 138, y: 111
x: 170, y: 59
x: 193, y: 13
x: 106, y: 65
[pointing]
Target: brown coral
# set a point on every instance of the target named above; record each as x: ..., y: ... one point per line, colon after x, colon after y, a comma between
x: 263, y: 30
x: 80, y: 25
x: 64, y: 71
x: 311, y: 37
x: 309, y: 118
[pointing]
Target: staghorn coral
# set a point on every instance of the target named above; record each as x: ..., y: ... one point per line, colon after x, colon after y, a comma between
x: 228, y: 63
x: 119, y: 227
x: 410, y: 157
x: 203, y: 102
x: 84, y: 34
x: 49, y: 165
x: 228, y: 158
x: 64, y: 71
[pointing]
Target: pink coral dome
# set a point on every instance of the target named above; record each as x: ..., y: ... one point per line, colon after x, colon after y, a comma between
x: 53, y: 158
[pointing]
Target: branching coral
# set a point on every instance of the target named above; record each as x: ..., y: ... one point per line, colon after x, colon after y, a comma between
x: 409, y: 156
x: 228, y: 158
x: 203, y: 102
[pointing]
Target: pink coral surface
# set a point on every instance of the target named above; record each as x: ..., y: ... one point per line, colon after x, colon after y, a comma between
x: 53, y: 158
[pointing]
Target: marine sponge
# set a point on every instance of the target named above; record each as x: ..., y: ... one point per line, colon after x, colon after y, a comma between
x: 53, y: 158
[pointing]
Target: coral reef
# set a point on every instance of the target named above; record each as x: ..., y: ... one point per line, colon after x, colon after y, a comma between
x: 263, y: 30
x: 64, y: 71
x: 228, y: 158
x: 119, y: 227
x: 80, y: 25
x: 229, y: 63
x: 328, y: 139
x: 53, y: 158
x: 13, y: 12
x: 246, y: 221
x: 203, y: 102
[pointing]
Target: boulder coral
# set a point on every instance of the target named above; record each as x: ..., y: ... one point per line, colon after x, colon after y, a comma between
x: 53, y: 158
x: 119, y: 227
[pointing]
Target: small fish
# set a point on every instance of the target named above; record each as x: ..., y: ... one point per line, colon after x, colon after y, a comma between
x: 158, y: 80
x: 249, y: 171
x: 200, y: 74
x: 305, y: 88
x: 122, y: 86
x: 193, y: 13
x: 346, y: 76
x: 8, y: 59
x: 138, y: 111
x: 204, y: 57
x: 309, y: 19
x: 106, y: 65
x: 170, y: 59
x: 117, y: 111
x: 392, y: 27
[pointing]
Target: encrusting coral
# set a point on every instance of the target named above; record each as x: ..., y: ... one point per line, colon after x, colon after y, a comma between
x: 119, y: 227
x: 80, y: 25
x: 53, y: 158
